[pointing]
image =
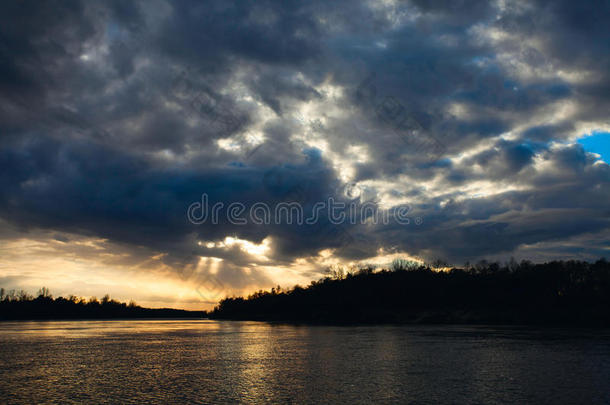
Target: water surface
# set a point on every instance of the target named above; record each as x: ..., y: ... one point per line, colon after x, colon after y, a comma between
x: 200, y: 361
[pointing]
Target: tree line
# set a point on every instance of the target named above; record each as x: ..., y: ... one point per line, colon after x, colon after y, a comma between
x: 21, y: 305
x: 557, y: 292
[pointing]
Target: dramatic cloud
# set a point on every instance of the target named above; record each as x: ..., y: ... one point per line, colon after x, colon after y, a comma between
x: 115, y: 117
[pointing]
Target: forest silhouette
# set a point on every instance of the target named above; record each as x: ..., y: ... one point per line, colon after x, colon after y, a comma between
x: 554, y: 293
x: 20, y: 305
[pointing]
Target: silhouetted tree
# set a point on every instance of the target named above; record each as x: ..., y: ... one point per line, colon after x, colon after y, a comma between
x: 24, y: 306
x: 404, y: 265
x: 555, y: 292
x: 44, y: 293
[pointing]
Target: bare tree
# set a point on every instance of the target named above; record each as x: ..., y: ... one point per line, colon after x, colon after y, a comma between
x: 44, y: 292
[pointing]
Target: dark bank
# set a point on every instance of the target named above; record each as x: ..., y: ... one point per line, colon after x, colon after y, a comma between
x: 554, y: 293
x: 21, y: 306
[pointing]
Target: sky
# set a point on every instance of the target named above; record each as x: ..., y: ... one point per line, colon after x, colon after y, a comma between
x: 597, y: 142
x: 480, y: 129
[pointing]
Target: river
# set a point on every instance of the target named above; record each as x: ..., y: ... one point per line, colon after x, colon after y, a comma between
x: 202, y: 361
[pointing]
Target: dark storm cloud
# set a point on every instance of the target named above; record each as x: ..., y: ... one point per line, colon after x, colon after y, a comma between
x: 116, y: 116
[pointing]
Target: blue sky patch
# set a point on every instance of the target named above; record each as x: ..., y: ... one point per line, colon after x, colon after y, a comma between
x: 597, y: 142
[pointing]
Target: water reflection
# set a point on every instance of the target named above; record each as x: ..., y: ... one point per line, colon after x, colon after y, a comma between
x: 202, y: 361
